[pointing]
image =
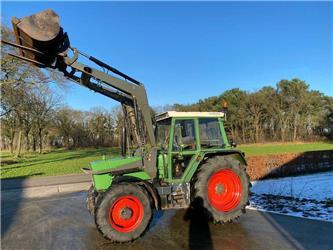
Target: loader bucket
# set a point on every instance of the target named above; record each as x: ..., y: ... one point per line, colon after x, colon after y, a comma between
x: 42, y: 33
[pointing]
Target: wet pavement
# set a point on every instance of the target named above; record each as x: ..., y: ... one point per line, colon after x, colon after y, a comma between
x: 62, y: 222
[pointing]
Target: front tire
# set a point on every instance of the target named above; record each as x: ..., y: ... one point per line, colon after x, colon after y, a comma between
x: 91, y: 200
x: 123, y: 213
x: 222, y: 185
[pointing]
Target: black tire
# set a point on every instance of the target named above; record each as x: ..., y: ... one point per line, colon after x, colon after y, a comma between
x: 213, y: 166
x: 108, y: 203
x: 91, y: 200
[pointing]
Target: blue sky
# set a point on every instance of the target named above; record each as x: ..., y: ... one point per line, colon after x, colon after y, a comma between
x: 186, y: 51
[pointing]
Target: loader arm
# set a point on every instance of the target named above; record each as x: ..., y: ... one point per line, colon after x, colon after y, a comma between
x: 41, y: 41
x: 132, y: 95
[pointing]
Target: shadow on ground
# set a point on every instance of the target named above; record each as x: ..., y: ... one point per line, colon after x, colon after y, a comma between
x: 10, y: 209
x: 199, y: 232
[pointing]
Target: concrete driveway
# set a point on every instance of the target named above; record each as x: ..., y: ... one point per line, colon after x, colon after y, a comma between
x: 62, y: 222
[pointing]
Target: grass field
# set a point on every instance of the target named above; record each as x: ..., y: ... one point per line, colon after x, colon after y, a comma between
x: 58, y: 162
x: 278, y: 148
x: 61, y: 162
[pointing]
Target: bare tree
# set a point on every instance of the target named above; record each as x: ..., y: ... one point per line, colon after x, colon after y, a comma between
x: 43, y: 105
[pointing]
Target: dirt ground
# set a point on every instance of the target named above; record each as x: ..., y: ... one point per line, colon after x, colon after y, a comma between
x: 287, y: 164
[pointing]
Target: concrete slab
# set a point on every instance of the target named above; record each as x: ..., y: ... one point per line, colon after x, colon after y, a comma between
x: 45, y: 191
x: 62, y: 222
x: 19, y: 183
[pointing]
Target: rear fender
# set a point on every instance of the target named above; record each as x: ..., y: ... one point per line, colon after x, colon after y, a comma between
x: 237, y: 155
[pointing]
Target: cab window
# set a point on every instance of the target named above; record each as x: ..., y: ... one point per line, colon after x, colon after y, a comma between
x: 162, y: 133
x: 210, y: 133
x: 184, y: 135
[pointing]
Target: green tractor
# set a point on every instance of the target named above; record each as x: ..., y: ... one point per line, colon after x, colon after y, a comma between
x: 172, y: 160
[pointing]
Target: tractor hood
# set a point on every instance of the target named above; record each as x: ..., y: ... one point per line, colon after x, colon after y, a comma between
x: 104, y: 171
x: 115, y: 164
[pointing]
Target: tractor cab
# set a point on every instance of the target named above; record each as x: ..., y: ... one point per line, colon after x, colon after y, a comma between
x: 183, y: 138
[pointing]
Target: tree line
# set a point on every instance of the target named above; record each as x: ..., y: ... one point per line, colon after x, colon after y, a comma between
x: 42, y: 122
x: 290, y: 111
x: 33, y: 116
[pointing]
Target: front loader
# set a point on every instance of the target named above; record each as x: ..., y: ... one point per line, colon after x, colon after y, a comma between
x: 173, y: 160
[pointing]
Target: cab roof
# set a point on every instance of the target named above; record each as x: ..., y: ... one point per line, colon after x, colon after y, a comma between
x: 169, y: 114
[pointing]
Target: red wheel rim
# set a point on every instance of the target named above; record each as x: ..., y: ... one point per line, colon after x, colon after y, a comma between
x: 126, y: 213
x: 224, y: 190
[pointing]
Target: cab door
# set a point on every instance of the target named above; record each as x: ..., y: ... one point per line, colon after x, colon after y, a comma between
x: 184, y: 147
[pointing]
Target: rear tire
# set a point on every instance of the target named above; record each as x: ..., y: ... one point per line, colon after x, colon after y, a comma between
x: 123, y: 213
x: 222, y: 186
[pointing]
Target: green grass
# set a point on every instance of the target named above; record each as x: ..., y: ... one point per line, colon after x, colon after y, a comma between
x: 62, y: 162
x: 57, y: 162
x: 278, y: 148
